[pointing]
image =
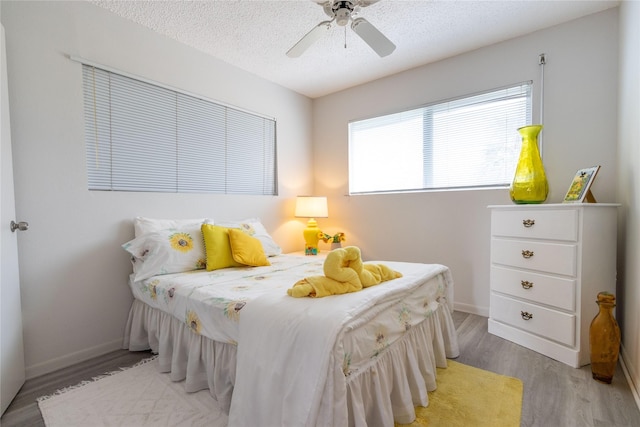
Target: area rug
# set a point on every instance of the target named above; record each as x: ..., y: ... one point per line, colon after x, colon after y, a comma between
x: 141, y: 396
x: 468, y: 396
x: 134, y: 397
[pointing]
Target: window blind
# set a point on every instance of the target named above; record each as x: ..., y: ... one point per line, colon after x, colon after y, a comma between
x: 144, y: 137
x: 466, y: 142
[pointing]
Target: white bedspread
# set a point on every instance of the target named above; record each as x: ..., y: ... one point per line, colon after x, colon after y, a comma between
x: 305, y: 391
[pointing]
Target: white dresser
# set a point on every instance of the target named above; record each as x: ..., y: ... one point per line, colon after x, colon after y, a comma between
x: 548, y: 263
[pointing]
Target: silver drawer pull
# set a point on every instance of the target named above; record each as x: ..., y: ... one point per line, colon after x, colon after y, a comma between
x: 528, y: 222
x: 527, y: 254
x: 526, y: 284
x: 526, y: 315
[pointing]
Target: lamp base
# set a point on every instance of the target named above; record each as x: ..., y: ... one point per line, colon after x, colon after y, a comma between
x: 311, y: 237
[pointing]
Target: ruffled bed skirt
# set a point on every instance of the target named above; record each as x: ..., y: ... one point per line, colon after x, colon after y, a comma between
x: 386, y: 391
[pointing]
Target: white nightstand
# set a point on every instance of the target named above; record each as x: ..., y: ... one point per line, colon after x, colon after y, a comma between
x: 548, y: 263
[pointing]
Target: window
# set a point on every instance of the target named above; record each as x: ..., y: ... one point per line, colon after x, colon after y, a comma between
x: 144, y: 137
x: 470, y: 142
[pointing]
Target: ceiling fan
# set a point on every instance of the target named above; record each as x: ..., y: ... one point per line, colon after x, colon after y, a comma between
x: 341, y: 12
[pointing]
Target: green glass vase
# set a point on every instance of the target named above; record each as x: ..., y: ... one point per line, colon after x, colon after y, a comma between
x: 530, y: 182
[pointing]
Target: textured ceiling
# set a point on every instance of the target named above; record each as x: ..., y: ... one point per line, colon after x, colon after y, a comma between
x: 254, y: 35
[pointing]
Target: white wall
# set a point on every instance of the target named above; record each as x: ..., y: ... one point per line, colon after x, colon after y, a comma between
x: 628, y: 293
x: 74, y: 273
x: 453, y: 227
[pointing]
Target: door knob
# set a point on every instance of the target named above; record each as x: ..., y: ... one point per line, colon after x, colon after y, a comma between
x: 22, y: 226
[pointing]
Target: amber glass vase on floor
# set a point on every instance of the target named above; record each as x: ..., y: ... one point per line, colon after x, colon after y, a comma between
x: 604, y: 339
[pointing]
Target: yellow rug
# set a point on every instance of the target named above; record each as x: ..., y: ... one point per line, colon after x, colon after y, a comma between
x: 468, y: 396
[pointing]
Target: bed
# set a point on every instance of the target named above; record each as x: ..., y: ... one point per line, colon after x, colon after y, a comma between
x: 363, y: 358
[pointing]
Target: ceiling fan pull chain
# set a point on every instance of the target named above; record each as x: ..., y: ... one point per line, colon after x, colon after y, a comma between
x: 345, y: 37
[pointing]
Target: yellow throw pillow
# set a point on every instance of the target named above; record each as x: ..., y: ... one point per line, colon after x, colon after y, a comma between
x: 246, y: 249
x: 217, y: 247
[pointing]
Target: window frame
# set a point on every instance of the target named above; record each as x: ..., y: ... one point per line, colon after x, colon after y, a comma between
x: 522, y: 90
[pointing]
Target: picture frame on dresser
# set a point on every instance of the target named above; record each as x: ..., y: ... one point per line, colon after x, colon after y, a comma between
x: 580, y: 189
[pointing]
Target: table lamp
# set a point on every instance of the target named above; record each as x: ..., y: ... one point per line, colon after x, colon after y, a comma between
x: 311, y: 207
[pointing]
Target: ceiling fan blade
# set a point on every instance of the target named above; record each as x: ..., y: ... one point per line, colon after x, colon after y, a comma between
x: 374, y: 38
x: 308, y: 39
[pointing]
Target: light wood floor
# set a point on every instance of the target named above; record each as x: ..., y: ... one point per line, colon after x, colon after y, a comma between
x: 555, y: 395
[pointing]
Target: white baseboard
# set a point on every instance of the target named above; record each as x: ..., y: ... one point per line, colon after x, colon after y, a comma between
x: 468, y: 308
x: 631, y: 375
x: 71, y: 359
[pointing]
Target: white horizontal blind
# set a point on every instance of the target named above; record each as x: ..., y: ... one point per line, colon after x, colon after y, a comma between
x: 143, y: 137
x: 248, y: 161
x: 462, y: 143
x: 202, y: 147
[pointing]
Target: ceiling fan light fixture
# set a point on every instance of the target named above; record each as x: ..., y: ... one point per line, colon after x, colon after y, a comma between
x: 342, y: 16
x: 341, y: 10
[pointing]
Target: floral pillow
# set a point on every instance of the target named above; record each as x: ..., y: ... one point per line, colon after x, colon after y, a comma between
x: 143, y: 225
x: 174, y: 250
x: 253, y: 227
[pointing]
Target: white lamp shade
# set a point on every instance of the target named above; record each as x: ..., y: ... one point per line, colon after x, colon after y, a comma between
x: 311, y: 207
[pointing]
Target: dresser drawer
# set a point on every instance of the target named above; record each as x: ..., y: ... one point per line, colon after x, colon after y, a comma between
x: 545, y: 322
x: 536, y: 224
x: 540, y: 288
x: 541, y: 256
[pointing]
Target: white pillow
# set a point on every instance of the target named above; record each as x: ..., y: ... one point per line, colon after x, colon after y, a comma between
x: 253, y: 227
x: 144, y: 225
x: 173, y: 250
